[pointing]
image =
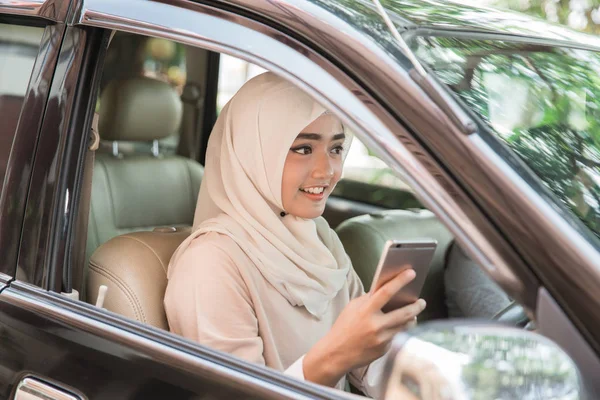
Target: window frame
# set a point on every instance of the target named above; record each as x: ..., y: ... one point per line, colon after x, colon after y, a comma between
x: 313, y: 72
x: 49, y: 10
x: 21, y: 159
x: 371, y: 122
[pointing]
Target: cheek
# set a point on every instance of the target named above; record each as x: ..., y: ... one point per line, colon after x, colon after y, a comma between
x: 293, y: 176
x: 337, y: 171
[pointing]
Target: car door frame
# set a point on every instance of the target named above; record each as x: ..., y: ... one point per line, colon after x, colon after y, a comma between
x: 458, y: 176
x: 39, y: 308
x: 373, y: 124
x: 52, y: 15
x: 318, y: 75
x: 525, y: 228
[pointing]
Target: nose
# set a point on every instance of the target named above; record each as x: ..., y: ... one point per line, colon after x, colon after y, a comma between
x: 323, y: 167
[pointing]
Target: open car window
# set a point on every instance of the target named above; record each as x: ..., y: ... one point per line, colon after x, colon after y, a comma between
x: 366, y: 179
x: 541, y: 102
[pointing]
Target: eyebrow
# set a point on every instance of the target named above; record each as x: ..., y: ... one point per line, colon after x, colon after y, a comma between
x: 318, y: 136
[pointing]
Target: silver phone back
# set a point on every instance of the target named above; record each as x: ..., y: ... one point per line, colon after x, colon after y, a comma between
x: 400, y: 256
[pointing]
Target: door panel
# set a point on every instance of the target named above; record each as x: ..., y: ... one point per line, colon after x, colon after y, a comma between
x: 82, y: 350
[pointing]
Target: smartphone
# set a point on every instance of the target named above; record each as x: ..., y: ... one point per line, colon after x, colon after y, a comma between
x: 398, y: 256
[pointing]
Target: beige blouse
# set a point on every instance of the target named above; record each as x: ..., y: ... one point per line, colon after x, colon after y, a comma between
x: 233, y: 308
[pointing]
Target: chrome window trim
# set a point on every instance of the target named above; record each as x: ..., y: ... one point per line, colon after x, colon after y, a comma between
x: 52, y: 10
x: 4, y: 279
x: 269, y: 49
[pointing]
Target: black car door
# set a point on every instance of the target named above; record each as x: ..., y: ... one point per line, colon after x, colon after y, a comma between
x: 51, y: 345
x: 29, y: 42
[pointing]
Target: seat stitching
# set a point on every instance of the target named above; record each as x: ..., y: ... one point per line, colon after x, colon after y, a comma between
x: 128, y: 292
x: 149, y: 248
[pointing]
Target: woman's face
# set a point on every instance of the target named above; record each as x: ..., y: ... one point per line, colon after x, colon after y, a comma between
x: 313, y: 167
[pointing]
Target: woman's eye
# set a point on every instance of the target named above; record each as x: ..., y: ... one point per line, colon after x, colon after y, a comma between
x: 337, y: 150
x: 302, y: 150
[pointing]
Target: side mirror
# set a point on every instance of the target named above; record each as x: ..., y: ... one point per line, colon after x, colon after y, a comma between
x: 456, y: 360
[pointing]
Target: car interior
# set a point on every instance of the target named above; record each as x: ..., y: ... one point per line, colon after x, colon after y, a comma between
x: 148, y: 170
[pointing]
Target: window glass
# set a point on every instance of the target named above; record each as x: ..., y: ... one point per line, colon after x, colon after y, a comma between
x: 366, y: 178
x: 19, y: 47
x: 132, y: 56
x: 166, y: 61
x: 233, y: 73
x: 542, y: 102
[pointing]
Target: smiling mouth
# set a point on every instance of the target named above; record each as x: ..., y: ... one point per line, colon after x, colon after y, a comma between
x: 313, y: 190
x: 315, y: 193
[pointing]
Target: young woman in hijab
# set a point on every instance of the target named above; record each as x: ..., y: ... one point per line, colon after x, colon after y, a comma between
x: 262, y: 276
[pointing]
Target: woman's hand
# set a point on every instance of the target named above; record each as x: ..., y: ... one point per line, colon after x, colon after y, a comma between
x: 361, y: 334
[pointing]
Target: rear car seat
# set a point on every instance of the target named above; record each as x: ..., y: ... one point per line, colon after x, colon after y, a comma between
x: 364, y: 238
x: 140, y: 191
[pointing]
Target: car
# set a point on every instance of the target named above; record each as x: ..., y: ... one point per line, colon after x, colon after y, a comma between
x: 474, y: 126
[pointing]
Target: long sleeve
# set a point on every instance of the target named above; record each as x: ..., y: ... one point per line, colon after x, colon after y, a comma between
x: 366, y: 379
x: 296, y: 369
x: 207, y: 301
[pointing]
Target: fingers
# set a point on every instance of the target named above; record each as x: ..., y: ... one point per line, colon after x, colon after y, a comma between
x: 390, y: 288
x: 405, y: 316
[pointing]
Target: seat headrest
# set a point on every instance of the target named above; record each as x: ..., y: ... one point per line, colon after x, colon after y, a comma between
x: 139, y: 109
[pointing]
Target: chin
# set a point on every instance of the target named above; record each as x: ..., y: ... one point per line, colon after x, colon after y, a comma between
x: 307, y: 214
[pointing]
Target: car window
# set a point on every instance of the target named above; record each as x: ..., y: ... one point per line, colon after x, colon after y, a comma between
x: 133, y: 56
x: 19, y: 47
x: 366, y: 179
x: 541, y: 102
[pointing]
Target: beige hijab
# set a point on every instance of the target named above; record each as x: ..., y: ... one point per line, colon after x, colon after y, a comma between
x: 240, y: 195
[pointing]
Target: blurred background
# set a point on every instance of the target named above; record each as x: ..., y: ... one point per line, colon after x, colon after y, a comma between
x: 583, y: 15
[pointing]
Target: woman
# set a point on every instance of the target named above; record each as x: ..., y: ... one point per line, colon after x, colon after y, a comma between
x: 263, y: 277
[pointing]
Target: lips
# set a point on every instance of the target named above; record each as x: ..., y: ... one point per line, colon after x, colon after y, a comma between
x: 313, y: 189
x: 314, y: 192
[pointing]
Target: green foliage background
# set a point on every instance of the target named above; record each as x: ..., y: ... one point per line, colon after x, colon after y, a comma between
x: 583, y: 15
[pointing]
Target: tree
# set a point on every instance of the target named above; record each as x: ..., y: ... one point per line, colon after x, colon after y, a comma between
x: 583, y: 15
x: 542, y: 102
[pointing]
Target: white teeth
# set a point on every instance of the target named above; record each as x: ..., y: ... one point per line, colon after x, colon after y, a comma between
x: 313, y: 190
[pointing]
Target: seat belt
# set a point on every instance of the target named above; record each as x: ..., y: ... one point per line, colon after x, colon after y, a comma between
x: 83, y: 214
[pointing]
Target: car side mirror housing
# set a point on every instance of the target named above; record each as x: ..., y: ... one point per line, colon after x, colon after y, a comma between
x: 460, y: 360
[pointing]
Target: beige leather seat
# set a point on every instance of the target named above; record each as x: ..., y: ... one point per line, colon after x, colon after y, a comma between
x: 364, y: 237
x: 138, y: 190
x: 134, y: 268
